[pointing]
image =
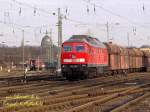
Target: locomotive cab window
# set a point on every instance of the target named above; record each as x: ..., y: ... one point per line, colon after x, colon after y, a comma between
x: 67, y: 48
x: 80, y: 48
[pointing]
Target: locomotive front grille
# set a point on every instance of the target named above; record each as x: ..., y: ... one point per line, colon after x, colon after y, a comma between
x: 74, y: 67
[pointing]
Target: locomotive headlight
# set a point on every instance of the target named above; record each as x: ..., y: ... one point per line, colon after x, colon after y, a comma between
x: 82, y: 60
x: 74, y: 60
x: 67, y: 60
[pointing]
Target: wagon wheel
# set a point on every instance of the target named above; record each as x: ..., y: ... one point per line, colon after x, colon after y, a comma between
x: 94, y: 72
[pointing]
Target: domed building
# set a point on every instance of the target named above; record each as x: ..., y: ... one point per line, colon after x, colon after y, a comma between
x: 46, y: 41
x: 48, y: 51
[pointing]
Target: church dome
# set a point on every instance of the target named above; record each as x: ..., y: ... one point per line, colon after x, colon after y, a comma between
x: 46, y: 41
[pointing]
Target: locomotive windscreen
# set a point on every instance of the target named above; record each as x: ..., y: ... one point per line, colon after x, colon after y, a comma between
x: 80, y: 48
x: 67, y: 48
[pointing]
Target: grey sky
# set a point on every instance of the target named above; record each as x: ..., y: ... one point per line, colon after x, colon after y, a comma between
x: 128, y: 13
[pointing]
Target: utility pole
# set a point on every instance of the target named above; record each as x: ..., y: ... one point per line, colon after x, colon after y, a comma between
x: 107, y: 26
x: 23, y: 67
x: 51, y: 49
x: 128, y: 37
x: 148, y: 40
x: 59, y: 39
x: 38, y: 63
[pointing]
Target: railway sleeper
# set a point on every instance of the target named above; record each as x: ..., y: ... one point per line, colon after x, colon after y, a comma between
x: 131, y: 102
x: 103, y: 100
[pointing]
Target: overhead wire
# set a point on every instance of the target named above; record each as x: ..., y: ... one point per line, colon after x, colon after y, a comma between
x: 7, y: 20
x: 72, y: 20
x: 87, y: 1
x: 114, y: 14
x: 33, y: 7
x: 52, y: 12
x: 135, y: 24
x: 21, y: 27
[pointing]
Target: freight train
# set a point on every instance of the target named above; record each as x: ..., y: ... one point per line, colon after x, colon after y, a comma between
x: 84, y: 56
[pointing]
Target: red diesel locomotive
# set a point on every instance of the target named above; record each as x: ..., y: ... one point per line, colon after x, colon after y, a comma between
x: 84, y: 56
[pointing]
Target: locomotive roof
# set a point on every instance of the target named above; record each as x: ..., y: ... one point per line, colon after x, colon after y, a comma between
x: 88, y: 39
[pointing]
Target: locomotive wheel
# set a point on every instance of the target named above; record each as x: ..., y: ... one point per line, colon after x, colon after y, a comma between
x: 96, y: 74
x: 71, y: 77
x: 92, y: 73
x: 68, y: 77
x: 84, y: 75
x: 112, y: 73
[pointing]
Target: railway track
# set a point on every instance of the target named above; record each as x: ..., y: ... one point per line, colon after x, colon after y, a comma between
x: 79, y: 96
x: 83, y: 102
x: 31, y: 78
x: 79, y: 88
x: 20, y: 80
x: 133, y: 106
